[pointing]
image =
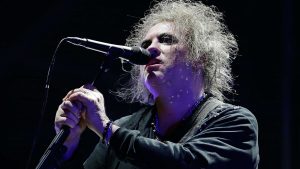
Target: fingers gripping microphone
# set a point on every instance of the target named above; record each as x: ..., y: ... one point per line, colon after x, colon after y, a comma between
x: 135, y: 55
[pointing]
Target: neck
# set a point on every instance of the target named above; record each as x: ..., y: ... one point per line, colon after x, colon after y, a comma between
x: 175, y: 93
x: 174, y: 106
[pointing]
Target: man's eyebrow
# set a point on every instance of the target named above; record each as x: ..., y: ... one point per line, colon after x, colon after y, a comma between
x: 164, y: 34
x: 168, y: 34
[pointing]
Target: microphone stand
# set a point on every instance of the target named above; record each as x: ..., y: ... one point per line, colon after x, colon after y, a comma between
x: 52, y: 157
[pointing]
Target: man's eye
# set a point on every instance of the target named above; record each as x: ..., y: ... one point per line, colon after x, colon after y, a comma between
x: 168, y: 39
x: 146, y: 44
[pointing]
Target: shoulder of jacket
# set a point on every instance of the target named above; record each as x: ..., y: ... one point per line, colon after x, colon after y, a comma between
x: 230, y: 111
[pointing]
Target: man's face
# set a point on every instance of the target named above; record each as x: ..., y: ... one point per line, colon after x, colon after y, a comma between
x: 168, y: 66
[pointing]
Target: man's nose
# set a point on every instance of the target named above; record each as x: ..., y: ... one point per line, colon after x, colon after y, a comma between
x: 154, y: 50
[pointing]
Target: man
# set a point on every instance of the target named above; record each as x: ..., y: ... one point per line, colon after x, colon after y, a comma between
x: 184, y: 123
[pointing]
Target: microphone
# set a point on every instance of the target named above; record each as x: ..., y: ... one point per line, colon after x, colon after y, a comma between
x: 136, y: 55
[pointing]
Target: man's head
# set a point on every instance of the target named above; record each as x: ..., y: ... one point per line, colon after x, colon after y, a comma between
x: 210, y: 46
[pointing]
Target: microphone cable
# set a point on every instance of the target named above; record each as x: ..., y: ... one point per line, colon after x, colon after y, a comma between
x: 44, y: 104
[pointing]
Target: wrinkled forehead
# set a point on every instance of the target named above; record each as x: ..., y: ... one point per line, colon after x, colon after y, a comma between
x: 161, y: 28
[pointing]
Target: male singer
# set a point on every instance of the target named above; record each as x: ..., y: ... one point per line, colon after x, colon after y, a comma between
x: 185, y: 122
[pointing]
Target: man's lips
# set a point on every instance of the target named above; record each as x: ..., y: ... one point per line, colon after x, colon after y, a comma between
x: 153, y: 62
x: 153, y: 65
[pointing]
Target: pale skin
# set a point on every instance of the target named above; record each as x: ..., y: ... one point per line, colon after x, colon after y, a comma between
x: 173, y: 83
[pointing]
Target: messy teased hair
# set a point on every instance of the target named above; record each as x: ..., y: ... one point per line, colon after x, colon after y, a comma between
x: 210, y: 44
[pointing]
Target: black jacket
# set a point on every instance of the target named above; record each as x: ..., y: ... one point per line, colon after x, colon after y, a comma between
x: 226, y: 138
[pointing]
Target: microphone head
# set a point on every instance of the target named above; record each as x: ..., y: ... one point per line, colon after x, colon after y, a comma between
x: 140, y: 56
x: 136, y: 55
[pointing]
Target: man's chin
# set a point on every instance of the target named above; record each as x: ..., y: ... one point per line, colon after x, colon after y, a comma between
x: 155, y: 76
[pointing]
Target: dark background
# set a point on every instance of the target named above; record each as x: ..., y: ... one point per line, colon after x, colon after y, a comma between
x: 266, y: 77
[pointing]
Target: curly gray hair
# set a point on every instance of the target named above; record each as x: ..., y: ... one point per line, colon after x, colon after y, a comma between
x: 211, y: 45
